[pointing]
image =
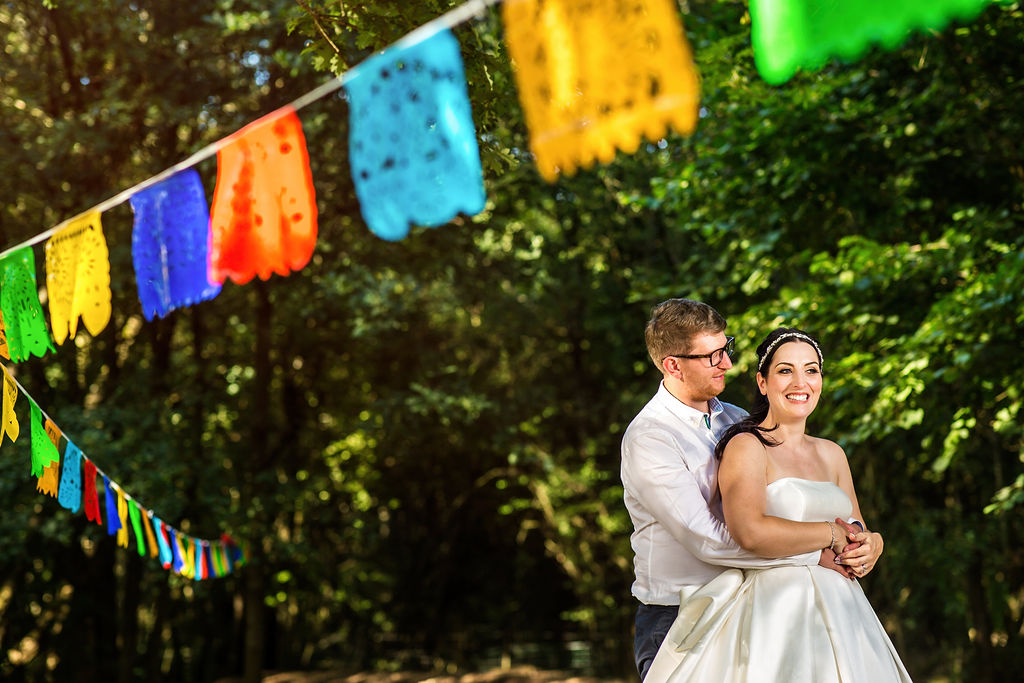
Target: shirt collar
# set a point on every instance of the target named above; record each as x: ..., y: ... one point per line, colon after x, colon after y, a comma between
x: 683, y: 411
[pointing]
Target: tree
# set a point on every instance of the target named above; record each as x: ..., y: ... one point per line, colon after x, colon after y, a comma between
x: 419, y: 440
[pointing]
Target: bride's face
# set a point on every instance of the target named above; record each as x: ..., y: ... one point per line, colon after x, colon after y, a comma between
x: 792, y: 382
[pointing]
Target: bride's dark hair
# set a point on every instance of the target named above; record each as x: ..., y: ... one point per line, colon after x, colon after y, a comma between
x: 751, y: 423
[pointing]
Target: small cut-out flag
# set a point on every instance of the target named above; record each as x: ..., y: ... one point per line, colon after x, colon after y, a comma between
x: 166, y: 557
x: 48, y: 484
x: 597, y: 76
x: 43, y: 450
x: 9, y: 420
x: 147, y: 524
x: 791, y: 34
x: 140, y: 538
x: 113, y: 519
x: 78, y: 277
x: 70, y: 494
x: 122, y: 516
x: 413, y: 148
x: 263, y: 218
x: 23, y: 314
x: 4, y: 351
x: 171, y: 245
x: 90, y: 499
x: 177, y: 558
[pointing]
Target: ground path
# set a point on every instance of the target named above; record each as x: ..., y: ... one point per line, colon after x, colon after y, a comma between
x: 520, y: 674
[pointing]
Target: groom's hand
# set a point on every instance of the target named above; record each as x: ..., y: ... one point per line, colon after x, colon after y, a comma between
x: 827, y: 559
x: 851, y: 532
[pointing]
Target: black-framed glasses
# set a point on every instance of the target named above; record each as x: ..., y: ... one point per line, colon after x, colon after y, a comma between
x: 715, y: 357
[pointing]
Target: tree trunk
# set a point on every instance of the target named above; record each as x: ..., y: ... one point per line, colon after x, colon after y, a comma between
x: 254, y: 588
x: 155, y: 642
x: 129, y: 617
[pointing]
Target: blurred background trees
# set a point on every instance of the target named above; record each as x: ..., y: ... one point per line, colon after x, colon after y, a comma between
x: 419, y: 440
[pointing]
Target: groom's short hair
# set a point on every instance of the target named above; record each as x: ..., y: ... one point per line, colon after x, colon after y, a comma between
x: 674, y: 324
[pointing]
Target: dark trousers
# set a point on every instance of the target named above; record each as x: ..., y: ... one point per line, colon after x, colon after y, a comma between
x: 652, y: 624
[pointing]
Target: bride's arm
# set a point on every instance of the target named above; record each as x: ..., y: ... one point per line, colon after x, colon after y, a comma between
x: 743, y: 481
x: 871, y: 542
x: 653, y: 472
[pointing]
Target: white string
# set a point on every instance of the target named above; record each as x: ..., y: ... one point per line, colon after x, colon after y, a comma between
x: 449, y: 20
x: 113, y: 484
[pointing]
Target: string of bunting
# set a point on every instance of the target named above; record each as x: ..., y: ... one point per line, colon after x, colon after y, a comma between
x: 593, y: 78
x: 71, y: 478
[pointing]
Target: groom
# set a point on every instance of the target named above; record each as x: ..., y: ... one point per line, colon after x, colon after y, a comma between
x: 669, y: 472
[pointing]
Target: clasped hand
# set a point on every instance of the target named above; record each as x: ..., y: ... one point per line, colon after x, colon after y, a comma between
x: 860, y: 555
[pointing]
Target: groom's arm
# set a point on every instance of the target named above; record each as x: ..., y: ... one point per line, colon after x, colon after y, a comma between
x: 672, y: 494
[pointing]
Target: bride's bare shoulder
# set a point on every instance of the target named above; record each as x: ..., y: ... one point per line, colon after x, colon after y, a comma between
x: 831, y: 452
x: 828, y: 447
x: 744, y: 440
x: 744, y: 446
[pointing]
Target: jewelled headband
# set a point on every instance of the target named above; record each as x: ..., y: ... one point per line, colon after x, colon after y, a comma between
x: 789, y: 336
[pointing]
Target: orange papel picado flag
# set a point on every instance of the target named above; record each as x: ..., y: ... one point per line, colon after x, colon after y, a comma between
x: 49, y: 483
x: 263, y: 218
x: 596, y: 76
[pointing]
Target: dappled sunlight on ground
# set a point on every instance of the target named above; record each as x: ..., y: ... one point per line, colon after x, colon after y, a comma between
x: 521, y: 674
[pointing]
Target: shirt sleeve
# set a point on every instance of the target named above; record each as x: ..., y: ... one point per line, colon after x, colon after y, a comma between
x: 670, y: 491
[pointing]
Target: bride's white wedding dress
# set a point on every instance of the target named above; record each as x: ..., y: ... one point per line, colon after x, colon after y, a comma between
x: 784, y: 624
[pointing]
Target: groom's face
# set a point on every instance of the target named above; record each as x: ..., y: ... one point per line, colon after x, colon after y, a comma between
x: 701, y: 380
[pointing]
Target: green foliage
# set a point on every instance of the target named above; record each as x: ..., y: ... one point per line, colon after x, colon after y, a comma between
x: 878, y: 206
x: 420, y: 439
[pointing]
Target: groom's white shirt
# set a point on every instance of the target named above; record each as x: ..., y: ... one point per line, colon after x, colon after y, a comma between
x: 669, y: 475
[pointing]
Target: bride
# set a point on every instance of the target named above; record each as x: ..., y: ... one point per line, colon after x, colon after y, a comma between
x: 790, y: 623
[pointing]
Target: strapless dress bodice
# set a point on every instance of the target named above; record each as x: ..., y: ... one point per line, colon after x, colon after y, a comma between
x: 805, y: 500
